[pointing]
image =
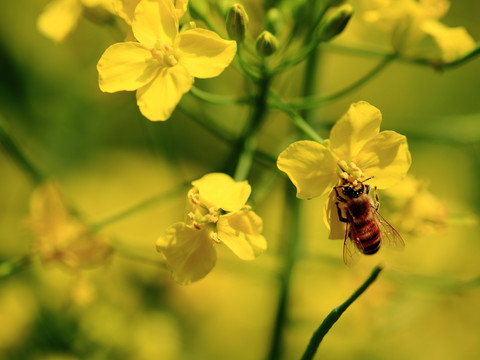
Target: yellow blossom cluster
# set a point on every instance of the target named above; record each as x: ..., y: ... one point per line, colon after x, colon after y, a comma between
x: 217, y: 214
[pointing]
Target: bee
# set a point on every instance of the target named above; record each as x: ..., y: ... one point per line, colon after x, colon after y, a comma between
x: 365, y: 229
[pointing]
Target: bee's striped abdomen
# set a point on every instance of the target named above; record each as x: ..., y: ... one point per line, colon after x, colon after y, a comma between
x: 366, y: 236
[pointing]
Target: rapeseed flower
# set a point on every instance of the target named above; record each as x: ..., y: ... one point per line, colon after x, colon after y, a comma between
x: 356, y: 151
x: 60, y: 17
x: 217, y: 213
x: 61, y: 237
x: 414, y: 29
x: 126, y: 8
x: 416, y: 210
x: 162, y: 65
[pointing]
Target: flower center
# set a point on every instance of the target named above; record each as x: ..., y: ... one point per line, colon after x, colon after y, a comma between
x: 349, y: 172
x: 164, y: 54
x: 200, y: 215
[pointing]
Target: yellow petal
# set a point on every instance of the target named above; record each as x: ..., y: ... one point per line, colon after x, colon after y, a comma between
x: 59, y: 18
x: 61, y: 236
x: 219, y: 190
x: 204, y: 53
x: 158, y: 99
x: 310, y: 166
x: 454, y: 43
x: 125, y: 9
x: 48, y: 211
x: 241, y: 232
x: 105, y: 4
x: 386, y: 157
x: 126, y: 66
x: 180, y: 7
x: 354, y: 129
x: 189, y: 252
x: 331, y: 219
x: 155, y: 20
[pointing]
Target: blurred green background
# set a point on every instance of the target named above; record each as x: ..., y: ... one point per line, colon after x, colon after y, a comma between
x: 107, y: 158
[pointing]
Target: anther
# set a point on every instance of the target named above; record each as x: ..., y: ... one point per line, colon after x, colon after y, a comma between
x: 214, y: 237
x: 343, y: 164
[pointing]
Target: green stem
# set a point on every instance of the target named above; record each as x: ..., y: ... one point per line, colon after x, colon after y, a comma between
x: 208, y: 124
x: 218, y: 99
x: 13, y: 266
x: 310, y: 79
x: 246, y: 66
x: 439, y: 66
x: 250, y: 139
x: 292, y: 220
x: 310, y: 102
x: 335, y: 314
x: 11, y: 147
x: 298, y: 121
x: 138, y: 207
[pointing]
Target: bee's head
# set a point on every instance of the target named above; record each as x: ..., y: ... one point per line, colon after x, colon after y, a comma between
x: 353, y: 192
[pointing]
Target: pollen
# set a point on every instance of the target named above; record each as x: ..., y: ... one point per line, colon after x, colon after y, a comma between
x: 164, y: 54
x: 214, y: 237
x: 343, y: 164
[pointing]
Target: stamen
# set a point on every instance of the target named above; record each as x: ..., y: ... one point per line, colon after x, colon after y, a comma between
x: 343, y: 164
x: 172, y: 60
x: 214, y: 237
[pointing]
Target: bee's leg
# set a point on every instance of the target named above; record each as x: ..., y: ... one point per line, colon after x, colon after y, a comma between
x: 377, y: 200
x: 367, y: 189
x: 339, y: 198
x: 340, y: 216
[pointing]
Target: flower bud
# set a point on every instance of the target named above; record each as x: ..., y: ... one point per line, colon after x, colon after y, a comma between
x: 266, y: 44
x: 237, y: 22
x: 335, y: 22
x: 274, y: 20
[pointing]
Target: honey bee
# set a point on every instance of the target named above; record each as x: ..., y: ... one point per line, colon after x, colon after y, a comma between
x: 365, y: 229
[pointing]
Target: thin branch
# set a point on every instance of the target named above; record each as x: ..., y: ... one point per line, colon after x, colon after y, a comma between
x: 335, y: 314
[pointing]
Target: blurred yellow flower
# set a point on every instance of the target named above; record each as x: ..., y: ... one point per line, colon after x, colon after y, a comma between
x: 415, y: 210
x: 416, y: 31
x: 126, y: 8
x: 216, y: 214
x: 60, y: 16
x: 162, y: 65
x: 59, y: 235
x: 356, y: 151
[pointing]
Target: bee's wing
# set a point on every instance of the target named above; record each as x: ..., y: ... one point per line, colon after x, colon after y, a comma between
x: 350, y: 250
x: 390, y: 236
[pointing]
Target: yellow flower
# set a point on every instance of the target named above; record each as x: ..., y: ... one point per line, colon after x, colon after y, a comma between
x: 162, y: 65
x: 60, y: 236
x: 416, y: 31
x: 356, y: 151
x: 60, y: 16
x: 126, y: 8
x: 216, y: 214
x: 416, y: 210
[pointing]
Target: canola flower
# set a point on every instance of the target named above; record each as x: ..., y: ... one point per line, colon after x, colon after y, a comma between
x: 162, y: 65
x: 217, y: 213
x: 415, y: 29
x: 60, y: 17
x: 355, y: 151
x: 126, y: 8
x: 417, y: 210
x: 59, y: 236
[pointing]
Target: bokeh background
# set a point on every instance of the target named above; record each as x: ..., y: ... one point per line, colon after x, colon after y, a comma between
x: 107, y: 158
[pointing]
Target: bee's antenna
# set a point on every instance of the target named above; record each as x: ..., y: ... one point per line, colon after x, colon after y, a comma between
x: 371, y: 177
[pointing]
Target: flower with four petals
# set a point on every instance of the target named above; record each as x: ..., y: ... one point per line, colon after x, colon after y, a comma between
x: 162, y: 65
x: 217, y: 214
x: 356, y: 151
